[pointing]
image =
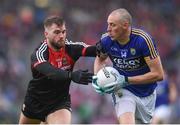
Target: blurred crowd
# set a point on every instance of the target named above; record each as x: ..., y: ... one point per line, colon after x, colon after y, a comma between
x: 21, y: 29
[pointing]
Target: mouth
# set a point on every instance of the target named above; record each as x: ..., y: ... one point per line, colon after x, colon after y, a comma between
x: 60, y: 41
x: 110, y: 34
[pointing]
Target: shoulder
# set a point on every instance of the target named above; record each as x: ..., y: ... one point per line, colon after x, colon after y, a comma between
x: 40, y: 49
x: 143, y: 37
x: 141, y: 34
x: 105, y: 37
x: 106, y: 40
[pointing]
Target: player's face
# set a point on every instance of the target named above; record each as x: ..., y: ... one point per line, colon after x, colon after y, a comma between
x: 56, y: 35
x: 115, y: 28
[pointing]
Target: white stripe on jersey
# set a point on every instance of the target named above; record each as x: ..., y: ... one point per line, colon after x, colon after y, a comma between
x: 40, y: 51
x: 75, y: 43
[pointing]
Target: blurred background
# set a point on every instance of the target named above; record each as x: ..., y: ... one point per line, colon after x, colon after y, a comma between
x: 21, y: 30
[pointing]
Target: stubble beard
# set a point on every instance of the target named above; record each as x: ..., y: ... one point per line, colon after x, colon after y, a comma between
x: 57, y: 46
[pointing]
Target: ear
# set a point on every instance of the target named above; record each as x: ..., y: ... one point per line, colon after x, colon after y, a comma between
x: 125, y: 25
x: 45, y: 33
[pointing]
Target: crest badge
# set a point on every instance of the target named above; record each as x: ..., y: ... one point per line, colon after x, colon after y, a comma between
x: 133, y: 51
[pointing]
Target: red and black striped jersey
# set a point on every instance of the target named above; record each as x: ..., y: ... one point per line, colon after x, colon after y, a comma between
x: 41, y: 85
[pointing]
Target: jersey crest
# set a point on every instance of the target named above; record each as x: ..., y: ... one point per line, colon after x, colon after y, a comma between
x: 133, y: 51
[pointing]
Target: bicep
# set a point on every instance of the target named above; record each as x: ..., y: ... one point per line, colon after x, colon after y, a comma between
x: 155, y: 65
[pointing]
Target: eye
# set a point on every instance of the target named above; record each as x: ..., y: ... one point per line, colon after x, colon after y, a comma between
x: 57, y: 31
x: 111, y: 25
x: 64, y: 31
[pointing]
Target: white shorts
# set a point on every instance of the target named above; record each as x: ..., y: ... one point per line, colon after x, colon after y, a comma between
x: 142, y: 107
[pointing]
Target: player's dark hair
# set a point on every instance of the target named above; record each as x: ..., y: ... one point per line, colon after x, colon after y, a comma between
x: 53, y: 19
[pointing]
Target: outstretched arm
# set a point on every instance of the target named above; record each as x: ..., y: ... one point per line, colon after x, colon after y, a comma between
x: 79, y: 76
x: 156, y: 73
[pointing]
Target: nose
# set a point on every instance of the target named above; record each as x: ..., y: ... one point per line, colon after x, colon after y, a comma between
x: 61, y: 35
x: 108, y: 29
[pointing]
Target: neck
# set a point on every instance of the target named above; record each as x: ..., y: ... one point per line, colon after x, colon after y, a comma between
x: 125, y: 38
x: 123, y: 41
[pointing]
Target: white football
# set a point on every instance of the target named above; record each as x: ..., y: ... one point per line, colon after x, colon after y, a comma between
x: 107, y: 75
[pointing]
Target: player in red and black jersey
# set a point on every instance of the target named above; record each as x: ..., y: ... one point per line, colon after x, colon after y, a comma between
x: 47, y: 98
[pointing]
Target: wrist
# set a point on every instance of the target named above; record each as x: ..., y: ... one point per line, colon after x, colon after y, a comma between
x: 126, y: 79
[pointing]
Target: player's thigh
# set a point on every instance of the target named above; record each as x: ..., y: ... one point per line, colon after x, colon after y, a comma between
x: 61, y: 116
x: 125, y: 107
x: 145, y: 108
x: 25, y: 120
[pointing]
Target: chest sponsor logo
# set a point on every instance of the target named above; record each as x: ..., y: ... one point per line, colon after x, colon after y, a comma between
x: 129, y: 64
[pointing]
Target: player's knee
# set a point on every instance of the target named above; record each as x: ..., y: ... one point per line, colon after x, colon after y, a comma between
x: 127, y: 118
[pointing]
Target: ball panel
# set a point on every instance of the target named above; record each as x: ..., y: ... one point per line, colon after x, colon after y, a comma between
x: 106, y: 75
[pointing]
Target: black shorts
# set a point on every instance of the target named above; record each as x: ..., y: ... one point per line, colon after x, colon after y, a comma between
x: 34, y: 109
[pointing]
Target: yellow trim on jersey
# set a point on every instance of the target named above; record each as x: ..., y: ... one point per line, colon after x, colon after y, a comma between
x: 147, y: 57
x: 149, y: 46
x: 148, y: 41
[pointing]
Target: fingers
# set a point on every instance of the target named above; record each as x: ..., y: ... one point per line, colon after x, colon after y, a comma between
x: 95, y: 85
x: 86, y: 77
x: 110, y: 84
x: 109, y: 89
x: 98, y: 89
x: 94, y: 77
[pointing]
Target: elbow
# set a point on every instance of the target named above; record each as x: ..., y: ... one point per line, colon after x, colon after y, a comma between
x: 160, y: 76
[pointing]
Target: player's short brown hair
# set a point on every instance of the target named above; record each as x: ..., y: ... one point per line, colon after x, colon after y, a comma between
x: 53, y: 19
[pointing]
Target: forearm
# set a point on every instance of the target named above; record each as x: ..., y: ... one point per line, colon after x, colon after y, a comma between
x: 99, y: 63
x: 146, y: 78
x: 53, y: 73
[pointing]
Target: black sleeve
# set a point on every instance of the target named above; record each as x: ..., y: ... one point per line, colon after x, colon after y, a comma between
x: 99, y: 49
x: 40, y: 55
x: 52, y: 72
x: 90, y: 51
x: 79, y: 49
